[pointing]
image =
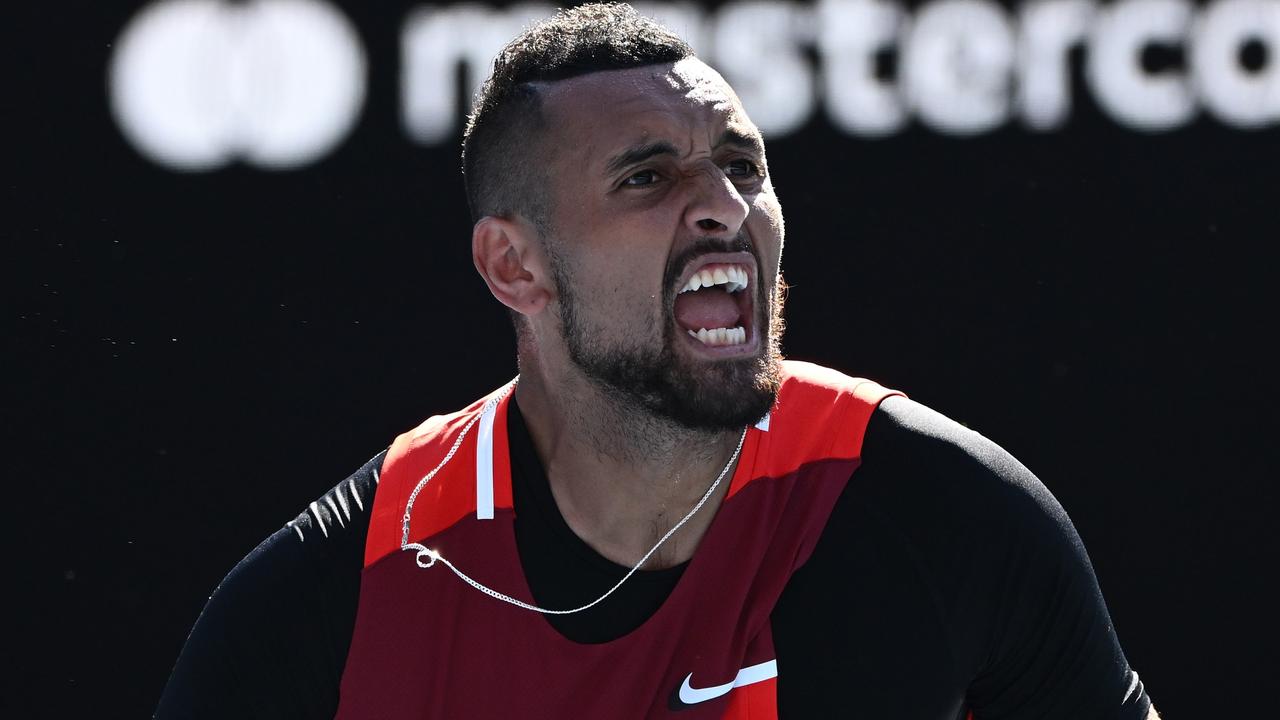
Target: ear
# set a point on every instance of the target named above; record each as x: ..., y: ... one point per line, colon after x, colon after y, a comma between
x: 508, y: 255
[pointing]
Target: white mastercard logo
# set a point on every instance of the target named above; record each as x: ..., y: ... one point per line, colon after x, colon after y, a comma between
x: 195, y: 84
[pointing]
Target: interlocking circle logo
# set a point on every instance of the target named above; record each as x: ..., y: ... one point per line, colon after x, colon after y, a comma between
x: 195, y: 84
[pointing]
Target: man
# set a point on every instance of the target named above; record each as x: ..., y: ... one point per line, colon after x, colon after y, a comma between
x: 660, y: 517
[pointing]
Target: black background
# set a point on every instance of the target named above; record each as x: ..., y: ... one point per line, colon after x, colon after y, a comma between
x: 191, y: 358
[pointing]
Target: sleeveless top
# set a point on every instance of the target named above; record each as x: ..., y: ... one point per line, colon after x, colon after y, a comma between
x: 427, y: 645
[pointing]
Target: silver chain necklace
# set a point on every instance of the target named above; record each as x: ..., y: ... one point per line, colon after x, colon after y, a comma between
x: 432, y: 557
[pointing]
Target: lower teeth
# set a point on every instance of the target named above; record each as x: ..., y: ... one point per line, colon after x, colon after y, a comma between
x: 720, y: 336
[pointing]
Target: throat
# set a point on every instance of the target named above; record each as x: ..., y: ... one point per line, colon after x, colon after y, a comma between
x: 624, y: 516
x: 620, y: 479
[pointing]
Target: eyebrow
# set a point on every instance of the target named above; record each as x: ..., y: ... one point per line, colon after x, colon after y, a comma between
x: 743, y: 140
x: 639, y: 153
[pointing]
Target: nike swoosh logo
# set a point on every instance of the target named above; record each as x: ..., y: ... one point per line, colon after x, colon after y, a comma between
x: 689, y: 695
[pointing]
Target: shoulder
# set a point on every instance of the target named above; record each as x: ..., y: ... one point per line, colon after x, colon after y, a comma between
x: 273, y: 637
x: 342, y: 512
x: 327, y: 533
x: 969, y: 511
x: 903, y: 424
x: 919, y: 461
x: 947, y: 496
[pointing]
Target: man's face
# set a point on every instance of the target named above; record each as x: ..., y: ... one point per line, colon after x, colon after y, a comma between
x: 665, y: 239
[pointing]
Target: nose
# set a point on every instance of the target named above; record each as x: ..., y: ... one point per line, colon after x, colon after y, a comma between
x: 716, y: 208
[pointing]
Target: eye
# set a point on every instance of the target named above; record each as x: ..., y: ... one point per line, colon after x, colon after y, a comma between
x: 642, y: 178
x: 742, y: 168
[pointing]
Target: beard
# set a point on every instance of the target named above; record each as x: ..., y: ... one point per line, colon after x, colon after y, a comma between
x: 708, y: 395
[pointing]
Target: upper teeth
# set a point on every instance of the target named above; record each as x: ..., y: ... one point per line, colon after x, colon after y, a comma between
x: 733, y: 277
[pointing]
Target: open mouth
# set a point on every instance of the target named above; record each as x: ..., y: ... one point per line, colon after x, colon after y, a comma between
x: 716, y: 299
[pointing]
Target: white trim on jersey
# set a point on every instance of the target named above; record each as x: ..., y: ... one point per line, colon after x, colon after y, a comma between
x: 484, y: 464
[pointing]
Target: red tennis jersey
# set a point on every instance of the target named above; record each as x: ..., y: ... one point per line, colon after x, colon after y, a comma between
x: 427, y: 645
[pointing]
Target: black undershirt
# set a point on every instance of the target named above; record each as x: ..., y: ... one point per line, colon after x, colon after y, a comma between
x: 562, y: 570
x: 947, y: 577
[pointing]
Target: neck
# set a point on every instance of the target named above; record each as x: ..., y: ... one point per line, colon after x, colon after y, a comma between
x: 620, y: 476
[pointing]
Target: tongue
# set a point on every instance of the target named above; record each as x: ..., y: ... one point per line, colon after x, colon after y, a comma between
x: 707, y: 308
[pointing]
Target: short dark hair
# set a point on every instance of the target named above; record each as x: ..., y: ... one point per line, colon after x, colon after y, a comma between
x: 502, y: 131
